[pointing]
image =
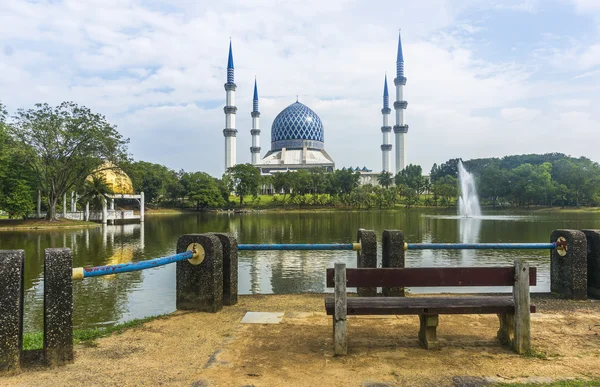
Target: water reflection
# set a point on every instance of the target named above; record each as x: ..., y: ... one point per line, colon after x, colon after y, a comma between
x: 100, y: 301
x: 469, y: 233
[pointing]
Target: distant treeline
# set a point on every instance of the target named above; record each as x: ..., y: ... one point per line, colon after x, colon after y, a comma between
x: 552, y: 179
x: 54, y: 150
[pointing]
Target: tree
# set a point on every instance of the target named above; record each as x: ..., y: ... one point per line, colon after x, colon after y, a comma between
x: 385, y: 179
x: 243, y: 179
x: 96, y: 191
x: 449, y: 168
x: 411, y: 177
x: 203, y: 189
x: 64, y: 144
x: 281, y: 183
x: 20, y: 201
x: 153, y: 179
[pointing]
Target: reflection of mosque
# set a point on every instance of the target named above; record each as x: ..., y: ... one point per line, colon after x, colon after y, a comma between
x: 103, y: 299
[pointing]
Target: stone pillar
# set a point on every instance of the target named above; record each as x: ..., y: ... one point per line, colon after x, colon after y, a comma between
x: 142, y: 236
x: 230, y: 268
x: 593, y: 262
x: 367, y: 257
x: 112, y: 212
x: 72, y: 209
x: 38, y: 211
x: 87, y: 211
x: 392, y: 256
x: 104, y: 212
x: 200, y: 287
x: 568, y: 274
x: 58, y: 306
x: 64, y: 212
x: 142, y: 204
x: 104, y: 235
x: 12, y: 276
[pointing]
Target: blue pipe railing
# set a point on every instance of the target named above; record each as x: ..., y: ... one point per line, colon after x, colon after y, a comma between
x: 298, y: 246
x: 98, y: 271
x: 479, y: 246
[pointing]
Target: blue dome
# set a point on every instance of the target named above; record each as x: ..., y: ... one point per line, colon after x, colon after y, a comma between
x: 295, y: 127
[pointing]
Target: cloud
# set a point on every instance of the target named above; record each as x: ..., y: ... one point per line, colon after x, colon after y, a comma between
x: 520, y: 114
x: 157, y: 69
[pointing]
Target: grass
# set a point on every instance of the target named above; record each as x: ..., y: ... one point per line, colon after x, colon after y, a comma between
x: 12, y: 224
x: 35, y: 340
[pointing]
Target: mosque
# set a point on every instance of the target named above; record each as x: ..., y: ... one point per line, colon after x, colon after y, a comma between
x: 297, y: 133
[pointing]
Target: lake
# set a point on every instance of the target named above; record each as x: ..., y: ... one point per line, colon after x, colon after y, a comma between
x: 111, y: 299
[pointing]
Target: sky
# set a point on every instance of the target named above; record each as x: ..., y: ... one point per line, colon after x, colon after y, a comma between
x: 486, y: 78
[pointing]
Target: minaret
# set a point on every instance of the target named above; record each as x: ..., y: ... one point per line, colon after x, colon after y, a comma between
x: 230, y: 132
x: 386, y: 129
x: 255, y: 148
x: 400, y: 129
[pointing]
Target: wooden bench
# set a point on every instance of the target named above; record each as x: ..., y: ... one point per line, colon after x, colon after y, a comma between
x: 513, y: 311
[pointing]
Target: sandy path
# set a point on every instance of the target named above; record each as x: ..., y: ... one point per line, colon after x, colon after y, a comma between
x: 198, y: 349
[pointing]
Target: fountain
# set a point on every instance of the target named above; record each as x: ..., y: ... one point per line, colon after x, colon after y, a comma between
x: 468, y: 203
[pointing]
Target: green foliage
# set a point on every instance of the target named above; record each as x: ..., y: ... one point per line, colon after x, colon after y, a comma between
x: 96, y: 191
x: 19, y: 201
x: 385, y: 179
x: 449, y: 168
x: 64, y: 144
x: 203, y: 189
x: 243, y: 179
x: 547, y: 179
x: 412, y: 178
x: 154, y: 180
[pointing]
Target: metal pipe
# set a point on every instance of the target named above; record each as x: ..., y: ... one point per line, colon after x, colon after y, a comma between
x: 479, y: 246
x: 296, y: 246
x: 98, y: 271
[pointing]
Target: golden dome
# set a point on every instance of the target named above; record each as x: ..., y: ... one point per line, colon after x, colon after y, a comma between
x: 116, y: 179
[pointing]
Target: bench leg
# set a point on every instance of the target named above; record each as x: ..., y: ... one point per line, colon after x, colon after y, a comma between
x: 340, y: 343
x: 506, y: 327
x: 427, y: 332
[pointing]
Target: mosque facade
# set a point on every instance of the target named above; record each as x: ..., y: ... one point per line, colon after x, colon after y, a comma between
x: 297, y: 133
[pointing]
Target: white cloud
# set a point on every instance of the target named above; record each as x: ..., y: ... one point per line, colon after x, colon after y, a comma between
x: 520, y: 114
x: 157, y: 69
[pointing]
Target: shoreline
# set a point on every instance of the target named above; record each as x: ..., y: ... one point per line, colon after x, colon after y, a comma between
x: 43, y: 225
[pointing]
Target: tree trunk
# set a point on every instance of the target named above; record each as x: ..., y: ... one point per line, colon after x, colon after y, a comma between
x: 51, y: 215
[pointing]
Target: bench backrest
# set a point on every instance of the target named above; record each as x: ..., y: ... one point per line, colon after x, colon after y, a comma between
x: 431, y: 277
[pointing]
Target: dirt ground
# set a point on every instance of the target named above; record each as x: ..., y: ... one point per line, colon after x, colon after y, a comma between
x: 202, y: 349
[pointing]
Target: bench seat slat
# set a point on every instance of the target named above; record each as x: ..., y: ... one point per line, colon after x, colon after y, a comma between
x: 431, y: 276
x: 426, y: 305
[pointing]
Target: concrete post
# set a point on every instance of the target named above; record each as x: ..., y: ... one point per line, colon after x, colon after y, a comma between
x: 142, y: 205
x: 38, y: 211
x: 87, y: 212
x: 64, y: 205
x: 568, y: 274
x: 392, y: 256
x: 367, y: 257
x: 340, y: 339
x: 142, y: 236
x: 112, y: 211
x: 230, y: 268
x: 72, y: 201
x: 58, y: 306
x: 200, y: 287
x: 104, y: 211
x: 593, y: 262
x: 12, y: 275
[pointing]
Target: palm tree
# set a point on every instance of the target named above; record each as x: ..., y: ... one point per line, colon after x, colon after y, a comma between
x: 95, y: 191
x: 385, y: 179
